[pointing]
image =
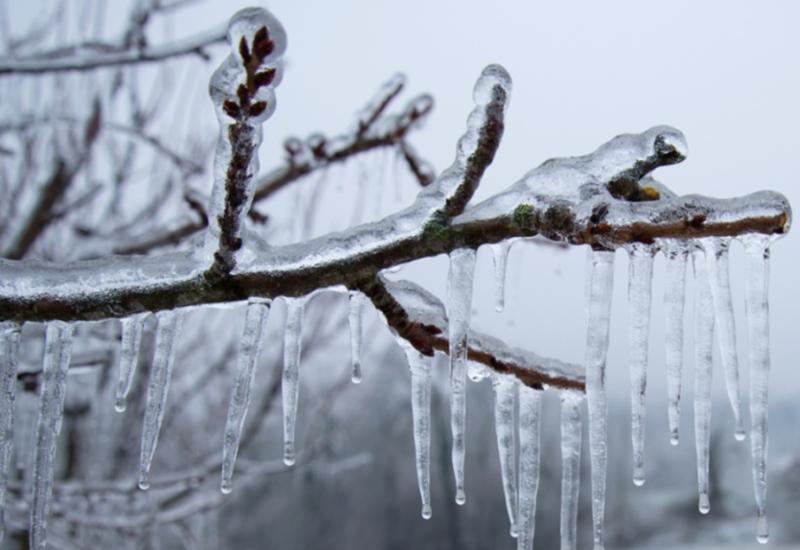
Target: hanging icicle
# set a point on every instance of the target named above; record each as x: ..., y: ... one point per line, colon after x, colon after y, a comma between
x: 674, y: 302
x: 530, y: 415
x: 570, y: 468
x: 717, y: 258
x: 420, y: 366
x: 57, y: 353
x: 355, y: 318
x: 500, y: 257
x: 290, y: 384
x: 704, y: 361
x: 757, y: 301
x: 9, y: 351
x: 640, y: 281
x: 505, y: 424
x: 246, y: 361
x: 128, y: 357
x: 600, y: 290
x: 460, y: 276
x: 167, y: 331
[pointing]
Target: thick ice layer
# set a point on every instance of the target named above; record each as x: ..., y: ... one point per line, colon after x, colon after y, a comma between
x: 505, y: 425
x: 757, y: 305
x: 674, y: 300
x: 460, y: 278
x: 601, y: 286
x: 167, y: 331
x: 500, y: 257
x: 355, y: 319
x: 420, y: 366
x: 530, y: 415
x: 246, y: 362
x: 718, y: 272
x: 9, y: 351
x: 571, y: 404
x: 290, y: 383
x: 57, y: 352
x: 640, y: 281
x: 703, y: 367
x: 128, y: 357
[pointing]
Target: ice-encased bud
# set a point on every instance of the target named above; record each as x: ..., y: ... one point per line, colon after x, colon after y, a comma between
x: 493, y: 75
x: 247, y: 22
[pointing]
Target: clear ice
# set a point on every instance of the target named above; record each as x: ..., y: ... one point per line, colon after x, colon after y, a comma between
x: 290, y: 383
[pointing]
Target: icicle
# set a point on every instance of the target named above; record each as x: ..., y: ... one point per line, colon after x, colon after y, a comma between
x: 355, y: 318
x: 704, y: 360
x: 290, y: 385
x: 674, y: 301
x: 530, y: 411
x: 717, y: 259
x: 9, y: 349
x: 500, y: 256
x: 505, y: 424
x: 168, y: 328
x: 757, y: 300
x: 246, y: 361
x: 420, y: 366
x: 128, y: 357
x: 570, y: 468
x: 601, y: 287
x: 57, y: 351
x: 462, y: 269
x: 640, y: 281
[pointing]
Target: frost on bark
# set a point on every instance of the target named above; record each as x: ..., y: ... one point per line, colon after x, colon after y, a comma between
x: 606, y: 200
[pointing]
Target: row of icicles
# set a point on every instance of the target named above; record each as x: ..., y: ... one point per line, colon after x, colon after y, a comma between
x: 518, y: 439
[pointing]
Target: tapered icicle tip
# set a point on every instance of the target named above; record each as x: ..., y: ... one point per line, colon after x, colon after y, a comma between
x: 638, y: 477
x: 492, y: 76
x: 740, y: 434
x: 289, y: 457
x: 226, y: 487
x: 426, y: 512
x: 461, y: 496
x: 674, y: 438
x: 356, y: 377
x: 144, y: 482
x: 762, y: 530
x: 704, y: 504
x: 120, y: 405
x: 514, y: 531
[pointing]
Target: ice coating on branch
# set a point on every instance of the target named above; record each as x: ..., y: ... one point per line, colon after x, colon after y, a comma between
x: 674, y: 301
x: 459, y: 304
x: 372, y: 110
x: 571, y: 404
x: 530, y: 415
x: 500, y: 260
x: 355, y: 319
x: 703, y: 369
x: 756, y: 248
x: 57, y: 352
x: 290, y: 382
x: 167, y: 331
x: 128, y: 357
x: 718, y: 272
x: 9, y: 352
x: 640, y: 282
x: 243, y: 92
x: 601, y: 286
x: 246, y: 362
x: 505, y: 425
x: 420, y: 366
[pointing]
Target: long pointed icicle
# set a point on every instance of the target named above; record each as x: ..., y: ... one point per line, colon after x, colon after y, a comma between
x: 600, y: 291
x: 57, y: 353
x: 530, y: 415
x: 500, y: 259
x: 128, y: 358
x: 570, y: 468
x: 290, y: 384
x: 420, y: 366
x: 462, y: 270
x: 246, y: 362
x: 703, y: 368
x: 167, y: 331
x: 718, y: 272
x: 505, y: 405
x: 355, y: 319
x: 9, y: 350
x: 674, y: 303
x: 640, y: 282
x: 757, y: 301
